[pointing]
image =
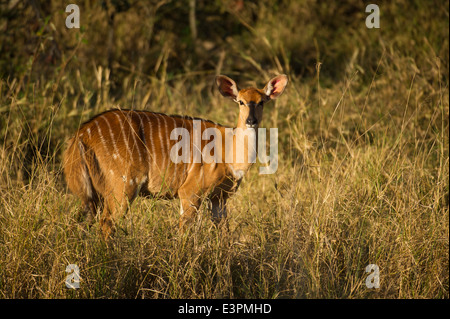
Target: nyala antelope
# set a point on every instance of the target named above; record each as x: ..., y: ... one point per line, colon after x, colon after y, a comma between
x: 120, y: 154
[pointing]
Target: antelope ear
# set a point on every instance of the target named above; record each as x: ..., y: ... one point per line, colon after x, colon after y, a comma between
x: 227, y: 87
x: 276, y: 86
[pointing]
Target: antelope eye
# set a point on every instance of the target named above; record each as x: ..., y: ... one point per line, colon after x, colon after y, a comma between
x: 241, y: 103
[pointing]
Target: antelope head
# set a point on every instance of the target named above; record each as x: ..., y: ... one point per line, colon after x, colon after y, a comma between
x: 251, y: 100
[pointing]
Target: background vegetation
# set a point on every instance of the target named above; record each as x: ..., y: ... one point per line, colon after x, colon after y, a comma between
x: 363, y: 144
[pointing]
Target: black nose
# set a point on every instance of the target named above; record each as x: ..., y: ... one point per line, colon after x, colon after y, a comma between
x: 251, y: 121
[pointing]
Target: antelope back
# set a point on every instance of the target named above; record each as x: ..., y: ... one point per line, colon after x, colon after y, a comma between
x: 124, y: 148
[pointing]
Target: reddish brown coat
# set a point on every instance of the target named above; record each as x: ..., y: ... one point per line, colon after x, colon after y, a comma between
x: 122, y: 153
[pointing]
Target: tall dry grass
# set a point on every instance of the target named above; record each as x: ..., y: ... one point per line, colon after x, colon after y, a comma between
x: 363, y: 145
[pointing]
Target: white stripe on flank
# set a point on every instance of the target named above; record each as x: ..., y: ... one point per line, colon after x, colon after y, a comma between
x: 124, y: 137
x: 133, y: 134
x: 113, y: 139
x: 101, y: 136
x: 163, y: 156
x: 150, y: 140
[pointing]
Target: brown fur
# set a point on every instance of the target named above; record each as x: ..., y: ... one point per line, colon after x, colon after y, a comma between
x: 122, y: 153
